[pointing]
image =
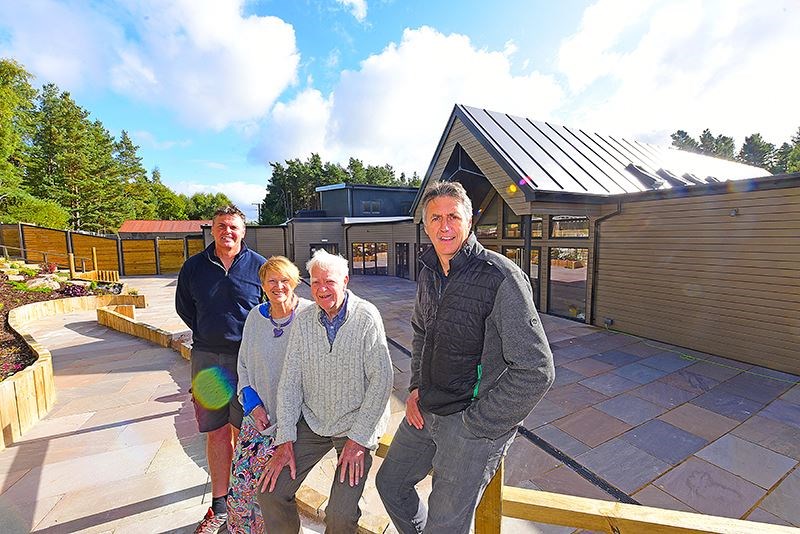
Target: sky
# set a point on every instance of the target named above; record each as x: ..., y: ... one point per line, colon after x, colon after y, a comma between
x: 212, y: 91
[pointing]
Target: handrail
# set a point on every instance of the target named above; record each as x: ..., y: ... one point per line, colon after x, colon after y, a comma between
x: 24, y: 251
x: 613, y: 517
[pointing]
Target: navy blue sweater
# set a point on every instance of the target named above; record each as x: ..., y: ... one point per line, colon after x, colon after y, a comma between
x: 214, y: 302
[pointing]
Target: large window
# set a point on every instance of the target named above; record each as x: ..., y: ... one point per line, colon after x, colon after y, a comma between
x: 567, y: 295
x: 516, y: 254
x: 512, y: 224
x: 486, y: 227
x: 370, y: 258
x: 569, y: 226
x: 371, y: 207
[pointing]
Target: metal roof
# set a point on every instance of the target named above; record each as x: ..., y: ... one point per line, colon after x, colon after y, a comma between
x: 373, y: 220
x: 545, y: 157
x: 138, y: 226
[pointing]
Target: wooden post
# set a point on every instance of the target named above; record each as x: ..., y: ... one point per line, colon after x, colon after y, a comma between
x: 5, y: 251
x: 72, y: 273
x: 94, y: 259
x: 489, y: 514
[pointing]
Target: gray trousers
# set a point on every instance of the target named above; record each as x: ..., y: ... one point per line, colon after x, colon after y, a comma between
x: 462, y: 463
x: 279, y: 507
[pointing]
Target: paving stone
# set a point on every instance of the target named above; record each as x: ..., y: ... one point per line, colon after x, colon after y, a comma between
x: 699, y: 421
x: 561, y: 440
x: 793, y: 395
x: 783, y: 501
x: 566, y: 376
x: 663, y: 394
x: 783, y: 411
x: 525, y: 460
x: 630, y: 409
x: 652, y: 496
x: 762, y: 516
x: 758, y: 388
x: 572, y: 352
x: 774, y: 435
x: 564, y: 480
x: 667, y: 361
x: 574, y: 397
x: 639, y: 373
x: 614, y: 461
x: 727, y: 404
x: 710, y: 489
x: 750, y: 461
x: 588, y: 366
x: 591, y: 426
x: 664, y: 441
x: 714, y: 370
x: 617, y: 358
x: 543, y: 413
x: 609, y: 384
x: 643, y: 349
x: 685, y: 379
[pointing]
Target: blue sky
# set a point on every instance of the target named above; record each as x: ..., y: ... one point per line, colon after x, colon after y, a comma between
x: 213, y: 90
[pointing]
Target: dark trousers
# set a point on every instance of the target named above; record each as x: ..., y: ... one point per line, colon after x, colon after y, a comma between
x: 280, y: 508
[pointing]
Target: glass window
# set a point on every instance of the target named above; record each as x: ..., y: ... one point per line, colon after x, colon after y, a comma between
x: 515, y: 254
x: 382, y: 258
x: 357, y: 257
x: 567, y: 296
x: 488, y: 220
x: 569, y: 226
x: 371, y: 207
x: 370, y: 258
x: 536, y: 227
x: 512, y: 223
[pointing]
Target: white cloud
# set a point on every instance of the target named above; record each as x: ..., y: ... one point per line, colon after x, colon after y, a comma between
x: 723, y: 65
x: 243, y: 194
x: 394, y: 107
x: 203, y: 59
x: 358, y: 8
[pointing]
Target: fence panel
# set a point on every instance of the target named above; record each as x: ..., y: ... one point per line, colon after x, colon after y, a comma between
x: 106, y: 247
x: 139, y: 256
x: 9, y: 237
x: 170, y: 255
x: 195, y: 245
x: 39, y: 241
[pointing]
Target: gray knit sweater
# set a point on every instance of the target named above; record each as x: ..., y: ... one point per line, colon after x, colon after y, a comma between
x: 261, y: 357
x: 340, y: 390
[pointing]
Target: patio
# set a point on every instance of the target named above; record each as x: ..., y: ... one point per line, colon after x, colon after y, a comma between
x: 647, y: 422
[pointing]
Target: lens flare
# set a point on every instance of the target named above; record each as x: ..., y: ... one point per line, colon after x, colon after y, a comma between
x: 212, y: 388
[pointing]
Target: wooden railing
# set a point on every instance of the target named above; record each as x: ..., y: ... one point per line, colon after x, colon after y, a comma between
x: 593, y: 514
x: 95, y: 275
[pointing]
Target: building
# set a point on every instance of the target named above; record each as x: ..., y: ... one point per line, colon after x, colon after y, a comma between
x: 139, y: 229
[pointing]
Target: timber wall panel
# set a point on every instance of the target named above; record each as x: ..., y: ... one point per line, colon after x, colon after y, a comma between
x: 170, y: 255
x: 195, y: 245
x: 106, y: 248
x: 9, y: 236
x: 717, y: 273
x: 38, y: 240
x: 267, y: 241
x: 139, y: 256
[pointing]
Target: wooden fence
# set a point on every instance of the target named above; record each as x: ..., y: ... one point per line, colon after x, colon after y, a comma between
x: 129, y: 257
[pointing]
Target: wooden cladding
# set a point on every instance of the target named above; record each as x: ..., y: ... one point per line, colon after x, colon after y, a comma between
x: 139, y: 256
x: 9, y: 237
x: 171, y: 255
x: 719, y: 274
x: 45, y: 242
x: 106, y: 247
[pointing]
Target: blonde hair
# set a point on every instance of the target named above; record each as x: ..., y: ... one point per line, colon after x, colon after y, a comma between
x: 282, y: 266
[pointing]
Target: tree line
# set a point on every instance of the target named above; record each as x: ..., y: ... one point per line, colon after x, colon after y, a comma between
x: 755, y: 150
x: 293, y: 183
x: 59, y: 168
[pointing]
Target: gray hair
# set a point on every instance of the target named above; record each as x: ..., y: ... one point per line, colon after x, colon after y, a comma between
x: 447, y: 189
x: 322, y: 259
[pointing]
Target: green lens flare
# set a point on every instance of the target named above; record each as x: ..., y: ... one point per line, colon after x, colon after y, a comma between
x: 211, y: 388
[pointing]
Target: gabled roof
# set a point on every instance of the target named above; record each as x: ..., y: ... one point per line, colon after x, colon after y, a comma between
x: 544, y: 158
x: 164, y: 227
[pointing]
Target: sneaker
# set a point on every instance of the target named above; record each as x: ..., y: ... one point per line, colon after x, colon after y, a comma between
x: 212, y: 523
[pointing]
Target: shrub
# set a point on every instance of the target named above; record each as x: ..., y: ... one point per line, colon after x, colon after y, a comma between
x: 26, y: 271
x: 49, y: 267
x: 74, y: 290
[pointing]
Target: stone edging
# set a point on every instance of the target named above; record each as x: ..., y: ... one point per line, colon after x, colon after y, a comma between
x: 27, y: 396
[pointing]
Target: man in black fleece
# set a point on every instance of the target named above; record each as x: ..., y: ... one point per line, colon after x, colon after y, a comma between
x: 480, y: 362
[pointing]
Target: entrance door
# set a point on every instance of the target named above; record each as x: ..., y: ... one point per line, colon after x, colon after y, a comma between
x: 401, y: 260
x: 332, y: 248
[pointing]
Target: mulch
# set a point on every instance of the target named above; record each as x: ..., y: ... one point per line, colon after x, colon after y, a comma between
x: 15, y: 354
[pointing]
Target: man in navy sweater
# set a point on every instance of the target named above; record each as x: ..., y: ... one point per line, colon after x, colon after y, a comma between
x: 216, y: 290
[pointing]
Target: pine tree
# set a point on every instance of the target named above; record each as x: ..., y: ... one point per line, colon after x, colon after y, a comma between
x: 756, y: 151
x: 134, y: 176
x: 16, y: 121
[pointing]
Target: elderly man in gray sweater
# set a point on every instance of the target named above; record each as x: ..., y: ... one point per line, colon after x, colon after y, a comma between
x: 333, y: 393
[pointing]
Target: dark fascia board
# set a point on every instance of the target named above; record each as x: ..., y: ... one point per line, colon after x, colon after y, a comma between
x: 316, y: 219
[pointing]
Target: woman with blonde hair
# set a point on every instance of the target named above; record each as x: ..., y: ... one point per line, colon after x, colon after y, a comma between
x: 261, y: 357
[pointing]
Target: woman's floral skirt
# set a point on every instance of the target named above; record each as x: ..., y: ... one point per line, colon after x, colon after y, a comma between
x: 249, y: 459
